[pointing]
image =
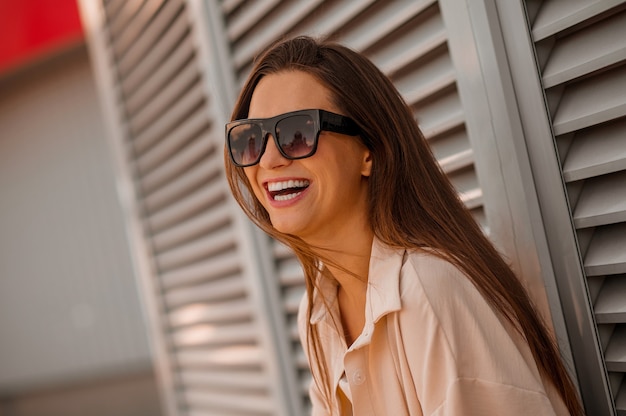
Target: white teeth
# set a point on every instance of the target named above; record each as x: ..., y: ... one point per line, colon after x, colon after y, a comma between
x: 281, y: 186
x: 286, y: 197
x: 294, y: 185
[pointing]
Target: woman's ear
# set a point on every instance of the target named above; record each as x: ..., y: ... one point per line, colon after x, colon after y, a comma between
x: 366, y: 167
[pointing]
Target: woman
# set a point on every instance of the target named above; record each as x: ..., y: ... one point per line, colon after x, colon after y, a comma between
x: 409, y: 309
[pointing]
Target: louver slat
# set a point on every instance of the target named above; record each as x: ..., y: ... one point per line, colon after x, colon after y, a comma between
x: 333, y: 16
x: 223, y: 379
x: 596, y: 152
x: 202, y: 223
x: 159, y: 103
x: 293, y: 296
x: 615, y: 354
x: 232, y: 357
x: 290, y: 272
x: 606, y: 253
x: 207, y: 290
x: 556, y: 16
x: 382, y: 22
x: 230, y: 402
x: 229, y: 5
x: 209, y: 335
x: 602, y: 201
x: 183, y: 184
x: 123, y: 16
x: 432, y: 77
x: 203, y: 247
x: 429, y: 35
x: 154, y: 34
x: 195, y: 313
x: 113, y: 7
x: 261, y: 35
x: 592, y: 101
x: 249, y: 15
x: 215, y: 267
x: 610, y: 307
x: 191, y: 126
x: 140, y: 23
x: 200, y: 200
x: 457, y: 161
x: 166, y: 70
x: 175, y: 165
x: 176, y: 114
x: 593, y: 48
x: 620, y: 402
x: 136, y: 71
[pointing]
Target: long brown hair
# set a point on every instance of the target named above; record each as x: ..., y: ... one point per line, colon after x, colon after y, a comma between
x: 427, y: 213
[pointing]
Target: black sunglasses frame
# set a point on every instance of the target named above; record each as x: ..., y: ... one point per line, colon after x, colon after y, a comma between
x: 322, y: 121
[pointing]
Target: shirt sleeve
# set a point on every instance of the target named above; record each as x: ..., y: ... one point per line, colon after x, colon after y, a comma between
x: 460, y: 358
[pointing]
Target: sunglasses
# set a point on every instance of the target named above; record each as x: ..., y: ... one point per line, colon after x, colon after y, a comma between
x: 295, y: 134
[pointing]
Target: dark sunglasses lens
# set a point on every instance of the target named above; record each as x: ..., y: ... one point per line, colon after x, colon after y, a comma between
x: 245, y: 142
x: 296, y: 135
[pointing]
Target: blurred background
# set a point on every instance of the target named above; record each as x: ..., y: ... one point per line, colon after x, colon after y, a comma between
x: 130, y: 282
x: 73, y: 339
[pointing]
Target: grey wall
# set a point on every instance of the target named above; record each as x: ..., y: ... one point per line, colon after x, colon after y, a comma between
x: 69, y: 307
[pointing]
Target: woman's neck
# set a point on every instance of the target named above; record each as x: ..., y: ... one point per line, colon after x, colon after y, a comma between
x: 347, y: 257
x: 348, y: 263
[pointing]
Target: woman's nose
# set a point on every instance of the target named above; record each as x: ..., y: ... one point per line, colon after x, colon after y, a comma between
x: 272, y: 158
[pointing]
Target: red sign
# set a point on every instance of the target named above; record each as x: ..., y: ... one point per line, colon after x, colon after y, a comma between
x: 31, y: 29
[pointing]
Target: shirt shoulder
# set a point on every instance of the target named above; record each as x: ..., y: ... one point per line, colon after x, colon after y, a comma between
x: 425, y: 277
x: 437, y: 292
x: 443, y: 311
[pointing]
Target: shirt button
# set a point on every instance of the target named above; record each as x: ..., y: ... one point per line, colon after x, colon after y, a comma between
x: 358, y: 377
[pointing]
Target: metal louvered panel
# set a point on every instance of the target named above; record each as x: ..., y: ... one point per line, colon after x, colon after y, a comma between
x: 407, y: 40
x: 291, y: 279
x: 582, y: 49
x: 257, y: 27
x: 204, y: 319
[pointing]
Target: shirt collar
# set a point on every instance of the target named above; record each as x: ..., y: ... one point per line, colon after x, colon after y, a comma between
x: 383, y: 291
x: 327, y: 290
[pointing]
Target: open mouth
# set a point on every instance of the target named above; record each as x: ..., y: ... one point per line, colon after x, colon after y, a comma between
x: 286, y: 190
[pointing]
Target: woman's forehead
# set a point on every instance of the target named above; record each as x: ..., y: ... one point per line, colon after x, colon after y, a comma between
x: 287, y: 91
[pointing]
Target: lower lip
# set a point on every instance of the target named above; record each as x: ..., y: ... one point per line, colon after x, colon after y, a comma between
x: 287, y: 203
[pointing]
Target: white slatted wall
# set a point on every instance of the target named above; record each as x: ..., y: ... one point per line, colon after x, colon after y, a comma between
x: 407, y: 40
x: 210, y: 346
x: 581, y: 48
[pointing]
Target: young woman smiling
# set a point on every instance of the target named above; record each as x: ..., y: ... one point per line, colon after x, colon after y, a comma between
x: 409, y: 308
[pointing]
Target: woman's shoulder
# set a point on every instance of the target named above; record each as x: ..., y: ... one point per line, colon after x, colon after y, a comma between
x: 441, y: 305
x: 435, y: 275
x: 432, y: 287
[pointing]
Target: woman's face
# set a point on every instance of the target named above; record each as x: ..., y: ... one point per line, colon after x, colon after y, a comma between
x: 319, y: 198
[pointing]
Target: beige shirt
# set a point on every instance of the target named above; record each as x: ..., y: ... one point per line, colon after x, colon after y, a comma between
x: 431, y: 345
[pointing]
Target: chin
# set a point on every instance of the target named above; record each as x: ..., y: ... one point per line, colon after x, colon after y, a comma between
x: 287, y: 228
x: 283, y: 229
